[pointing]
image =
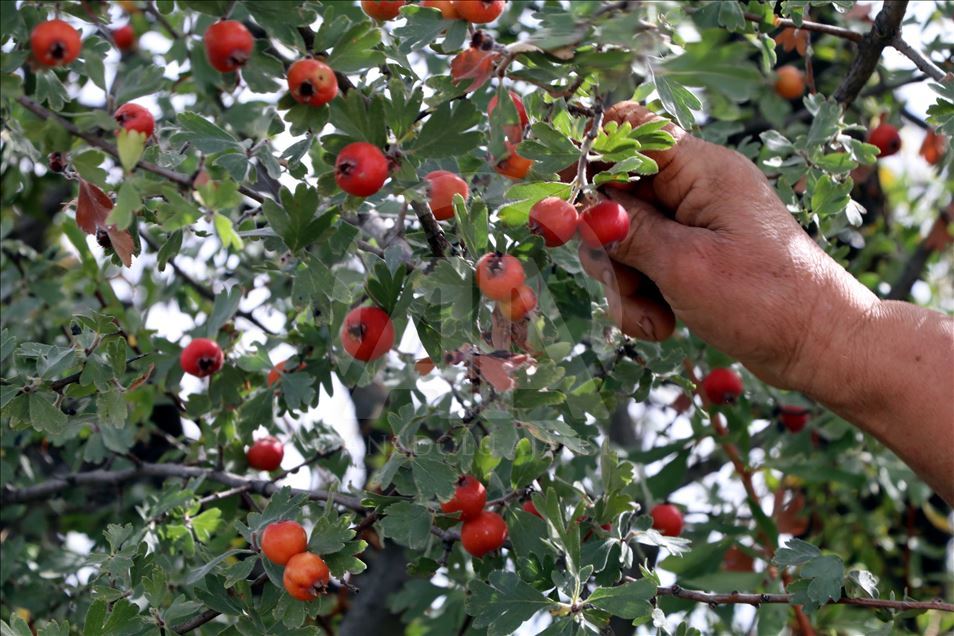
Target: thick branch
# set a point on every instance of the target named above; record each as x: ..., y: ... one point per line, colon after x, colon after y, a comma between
x: 102, y: 478
x: 739, y: 598
x: 901, y: 289
x: 884, y: 32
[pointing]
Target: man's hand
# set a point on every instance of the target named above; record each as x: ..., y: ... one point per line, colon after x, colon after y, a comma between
x: 728, y: 259
x: 711, y: 244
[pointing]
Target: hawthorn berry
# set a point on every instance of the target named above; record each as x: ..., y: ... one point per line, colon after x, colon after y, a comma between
x: 789, y: 82
x: 555, y: 220
x: 886, y: 138
x: 667, y: 519
x: 522, y: 301
x: 125, y: 38
x: 55, y: 43
x: 722, y: 386
x: 484, y: 533
x: 603, y: 224
x: 275, y: 373
x: 513, y: 165
x: 499, y: 275
x: 201, y: 357
x: 441, y: 188
x: 469, y: 498
x: 367, y: 333
x: 514, y: 132
x: 228, y: 45
x: 446, y: 7
x: 794, y: 418
x: 306, y: 575
x: 265, y: 454
x: 57, y: 161
x: 479, y: 11
x: 361, y: 169
x: 312, y: 82
x: 382, y: 9
x: 282, y: 540
x: 532, y: 509
x: 135, y: 117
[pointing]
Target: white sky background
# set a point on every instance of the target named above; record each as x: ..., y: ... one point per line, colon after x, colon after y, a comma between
x: 337, y: 410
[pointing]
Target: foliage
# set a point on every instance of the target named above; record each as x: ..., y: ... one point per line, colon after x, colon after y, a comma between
x: 228, y: 224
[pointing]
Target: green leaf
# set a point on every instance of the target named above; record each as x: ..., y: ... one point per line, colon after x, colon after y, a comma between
x: 408, y: 524
x: 795, y: 552
x: 355, y: 50
x: 550, y: 148
x: 111, y: 407
x: 128, y: 203
x: 226, y: 232
x: 204, y: 135
x: 130, y: 144
x: 421, y: 29
x: 297, y: 220
x: 330, y: 534
x: 678, y: 100
x: 200, y: 573
x: 518, y: 213
x: 444, y: 133
x: 504, y: 604
x: 224, y: 307
x: 44, y: 416
x: 147, y: 79
x: 629, y: 601
x: 205, y: 523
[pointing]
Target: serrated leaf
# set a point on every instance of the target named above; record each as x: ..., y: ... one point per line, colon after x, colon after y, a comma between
x: 408, y: 524
x: 503, y: 604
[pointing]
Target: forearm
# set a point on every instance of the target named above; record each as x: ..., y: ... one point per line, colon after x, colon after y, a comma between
x: 889, y: 369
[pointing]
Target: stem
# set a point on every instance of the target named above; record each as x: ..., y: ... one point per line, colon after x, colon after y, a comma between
x: 580, y: 182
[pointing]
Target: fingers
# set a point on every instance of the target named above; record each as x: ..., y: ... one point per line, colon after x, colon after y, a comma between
x: 654, y: 240
x: 623, y: 280
x: 690, y: 163
x: 643, y: 317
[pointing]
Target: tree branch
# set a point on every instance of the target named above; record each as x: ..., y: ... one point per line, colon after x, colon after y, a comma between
x: 920, y: 60
x: 178, y: 178
x: 808, y: 25
x: 740, y: 598
x: 101, y: 478
x: 901, y: 288
x: 201, y: 289
x: 884, y: 32
x: 432, y: 229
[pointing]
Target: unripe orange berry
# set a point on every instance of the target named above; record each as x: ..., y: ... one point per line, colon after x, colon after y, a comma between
x: 306, y: 574
x: 789, y: 82
x: 282, y: 540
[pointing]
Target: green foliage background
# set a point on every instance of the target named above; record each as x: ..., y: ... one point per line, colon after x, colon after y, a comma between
x: 271, y: 248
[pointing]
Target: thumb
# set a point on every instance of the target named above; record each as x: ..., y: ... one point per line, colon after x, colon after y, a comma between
x: 654, y: 241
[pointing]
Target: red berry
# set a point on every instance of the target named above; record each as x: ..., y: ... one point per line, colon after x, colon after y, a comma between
x: 275, y: 373
x: 201, y: 357
x: 367, y: 333
x: 306, y: 575
x: 55, y: 43
x: 499, y: 275
x: 312, y: 82
x: 604, y: 224
x: 479, y: 11
x: 125, y: 38
x: 514, y: 132
x: 382, y: 9
x: 265, y: 454
x: 532, y: 509
x: 441, y: 188
x: 794, y: 418
x: 228, y: 45
x: 513, y: 165
x: 446, y: 7
x: 886, y: 138
x: 469, y: 498
x: 667, y: 519
x: 134, y: 117
x: 722, y: 386
x: 483, y: 534
x: 555, y: 220
x: 361, y: 169
x: 522, y: 302
x: 282, y: 540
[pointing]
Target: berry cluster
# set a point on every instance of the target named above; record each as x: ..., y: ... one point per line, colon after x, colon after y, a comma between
x: 306, y: 574
x: 484, y: 530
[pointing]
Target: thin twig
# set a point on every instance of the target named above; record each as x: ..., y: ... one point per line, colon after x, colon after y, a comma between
x: 808, y: 25
x: 920, y: 60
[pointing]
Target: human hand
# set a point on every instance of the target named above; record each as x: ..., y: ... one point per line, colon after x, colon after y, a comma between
x: 724, y: 256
